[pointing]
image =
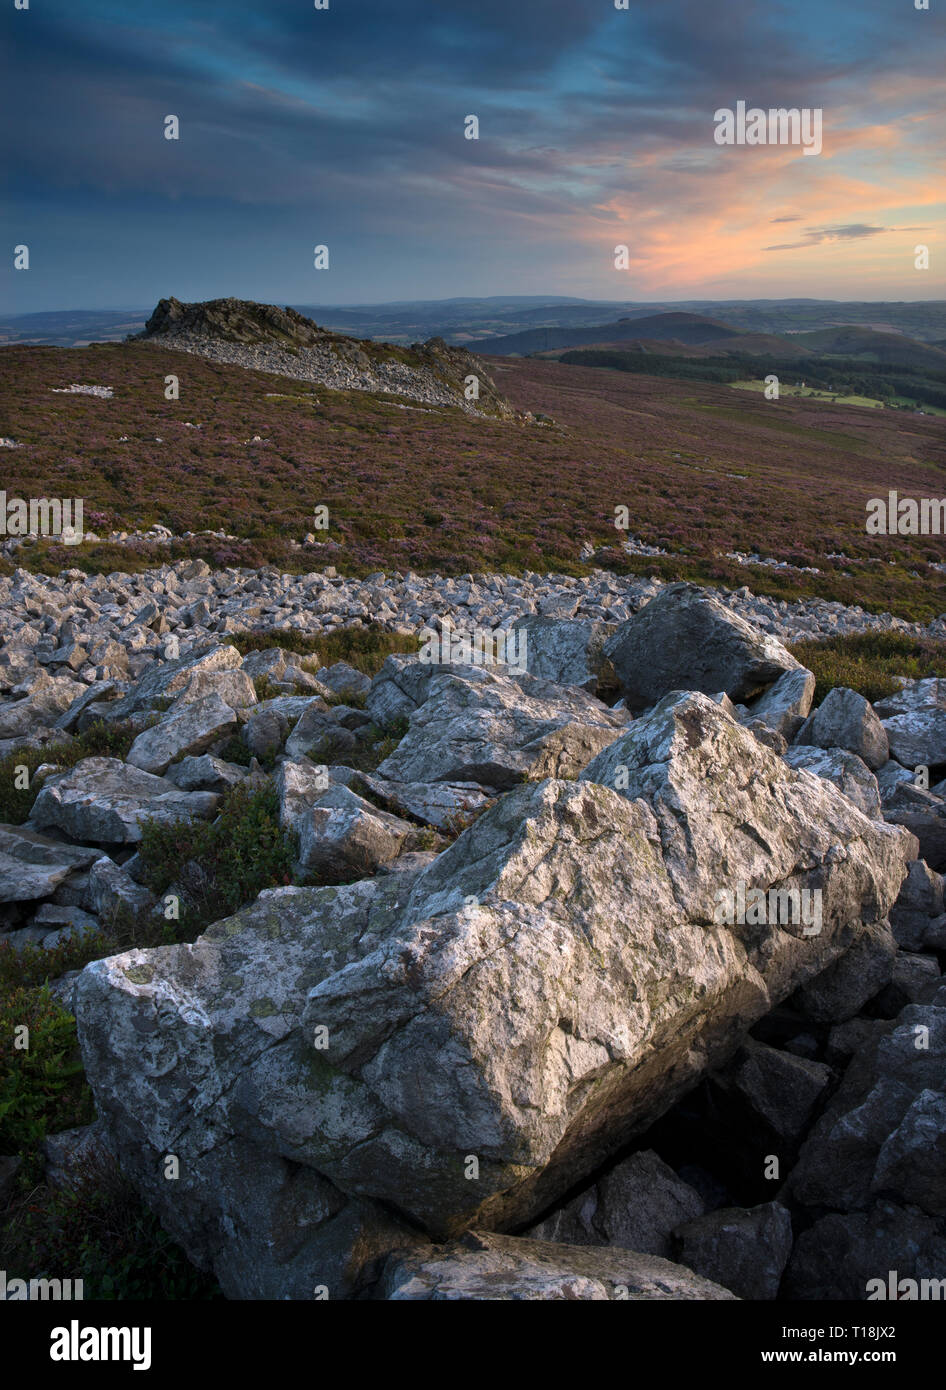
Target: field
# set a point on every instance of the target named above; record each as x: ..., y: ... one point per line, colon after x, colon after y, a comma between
x: 817, y: 394
x: 702, y: 470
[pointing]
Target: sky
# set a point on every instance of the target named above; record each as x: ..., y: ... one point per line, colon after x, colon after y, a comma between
x: 344, y: 127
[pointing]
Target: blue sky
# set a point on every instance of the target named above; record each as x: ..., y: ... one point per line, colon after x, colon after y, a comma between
x: 345, y: 127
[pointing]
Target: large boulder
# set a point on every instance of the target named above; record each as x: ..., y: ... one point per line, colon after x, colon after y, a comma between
x: 538, y: 995
x: 566, y: 651
x: 104, y: 801
x: 486, y: 1266
x: 33, y: 866
x: 844, y: 719
x: 188, y: 729
x: 687, y: 639
x: 477, y: 725
x: 636, y: 1205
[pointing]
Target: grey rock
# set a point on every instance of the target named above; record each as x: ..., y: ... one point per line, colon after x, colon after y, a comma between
x: 443, y: 805
x: 481, y: 1007
x: 687, y: 639
x: 168, y: 679
x: 342, y: 835
x: 476, y: 725
x: 779, y: 1088
x: 233, y: 688
x: 921, y: 899
x: 344, y: 679
x: 844, y: 719
x: 635, y: 1206
x: 839, y: 1160
x: 842, y: 990
x: 188, y: 729
x: 33, y: 866
x: 915, y: 980
x: 319, y: 737
x: 565, y: 652
x: 842, y: 1256
x: 98, y: 690
x: 104, y: 800
x: 929, y: 827
x: 111, y: 890
x: 849, y: 773
x: 912, y: 1160
x: 48, y: 698
x: 205, y: 774
x: 744, y: 1249
x: 785, y: 706
x: 71, y: 1153
x: 269, y: 724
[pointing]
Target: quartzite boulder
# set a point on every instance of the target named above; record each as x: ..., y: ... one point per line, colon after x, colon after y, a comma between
x: 542, y: 992
x: 33, y: 866
x: 488, y: 1266
x: 189, y: 729
x: 844, y: 719
x: 476, y: 725
x: 687, y: 639
x: 104, y: 800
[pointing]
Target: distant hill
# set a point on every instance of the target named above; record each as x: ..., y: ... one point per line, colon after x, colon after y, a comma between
x: 464, y: 320
x: 693, y: 336
x: 688, y: 329
x: 888, y: 349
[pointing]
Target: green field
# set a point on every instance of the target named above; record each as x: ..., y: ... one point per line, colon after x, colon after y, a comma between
x: 814, y: 393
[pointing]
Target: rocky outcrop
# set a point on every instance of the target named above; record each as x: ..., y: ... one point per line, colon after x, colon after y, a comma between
x: 283, y: 341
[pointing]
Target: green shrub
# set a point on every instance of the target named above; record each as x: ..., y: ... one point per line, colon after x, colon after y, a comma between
x: 869, y: 662
x: 365, y: 648
x: 99, y: 1231
x: 33, y: 965
x: 220, y: 865
x: 42, y: 1086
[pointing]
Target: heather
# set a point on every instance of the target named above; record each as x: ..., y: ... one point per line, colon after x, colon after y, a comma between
x: 702, y: 470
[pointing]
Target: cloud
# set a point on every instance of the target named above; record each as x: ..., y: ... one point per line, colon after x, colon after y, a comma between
x: 855, y: 231
x: 346, y: 126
